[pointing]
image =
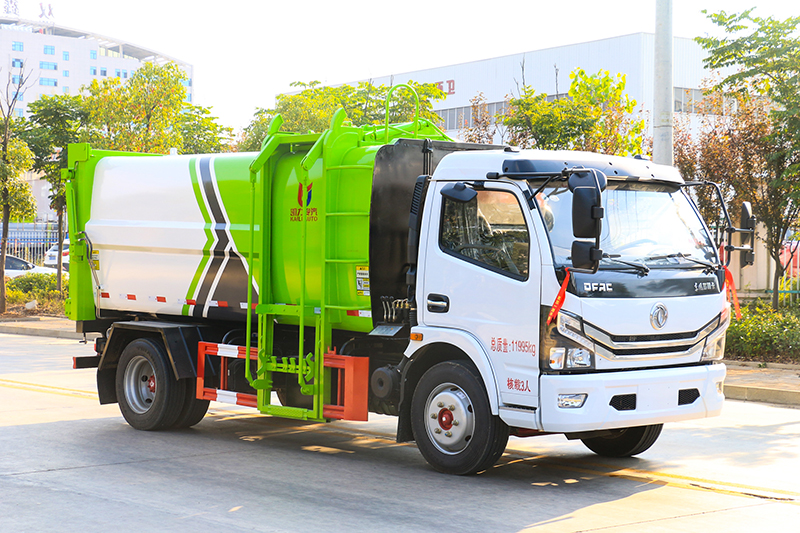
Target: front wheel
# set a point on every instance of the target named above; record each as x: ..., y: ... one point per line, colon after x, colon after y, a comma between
x: 149, y: 396
x: 624, y: 442
x: 452, y: 422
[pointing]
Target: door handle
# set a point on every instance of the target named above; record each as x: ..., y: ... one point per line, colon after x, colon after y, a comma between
x: 438, y: 303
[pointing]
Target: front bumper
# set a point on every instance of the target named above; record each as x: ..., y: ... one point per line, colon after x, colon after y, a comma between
x: 657, y: 398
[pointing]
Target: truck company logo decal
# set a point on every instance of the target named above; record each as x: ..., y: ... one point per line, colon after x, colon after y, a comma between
x: 296, y: 214
x: 300, y: 194
x: 705, y: 286
x: 658, y: 316
x: 597, y: 287
x: 222, y: 275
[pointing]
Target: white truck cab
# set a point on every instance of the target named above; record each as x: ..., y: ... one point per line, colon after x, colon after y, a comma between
x: 633, y: 341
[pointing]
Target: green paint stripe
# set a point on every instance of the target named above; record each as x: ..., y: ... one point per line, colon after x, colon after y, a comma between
x: 209, y: 235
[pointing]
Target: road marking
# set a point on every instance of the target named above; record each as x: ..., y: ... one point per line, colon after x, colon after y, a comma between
x: 49, y: 389
x: 675, y: 480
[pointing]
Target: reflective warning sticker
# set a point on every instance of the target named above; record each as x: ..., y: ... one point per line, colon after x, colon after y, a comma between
x: 362, y: 280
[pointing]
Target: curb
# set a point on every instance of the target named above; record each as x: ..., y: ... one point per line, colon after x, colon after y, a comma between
x: 762, y: 394
x: 43, y: 332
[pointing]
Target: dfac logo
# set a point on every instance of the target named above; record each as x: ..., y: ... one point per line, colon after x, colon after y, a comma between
x: 658, y: 315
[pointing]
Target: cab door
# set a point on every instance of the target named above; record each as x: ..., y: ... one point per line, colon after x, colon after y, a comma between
x: 481, y: 275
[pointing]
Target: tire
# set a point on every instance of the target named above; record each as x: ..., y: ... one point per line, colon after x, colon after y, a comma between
x: 193, y: 409
x: 452, y: 422
x: 149, y: 395
x: 625, y: 442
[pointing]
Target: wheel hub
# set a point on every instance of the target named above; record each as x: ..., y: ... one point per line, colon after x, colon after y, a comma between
x: 450, y: 420
x: 140, y: 385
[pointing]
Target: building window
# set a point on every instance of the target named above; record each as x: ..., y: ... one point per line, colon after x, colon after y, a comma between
x: 65, y: 55
x: 17, y: 46
x: 189, y: 98
x: 48, y: 82
x: 65, y: 74
x: 65, y: 90
x: 20, y: 113
x: 93, y: 71
x: 687, y: 100
x: 16, y: 79
x: 48, y: 65
x: 92, y: 54
x: 17, y: 63
x: 103, y: 71
x: 118, y: 73
x: 18, y: 95
x: 125, y: 74
x: 49, y: 50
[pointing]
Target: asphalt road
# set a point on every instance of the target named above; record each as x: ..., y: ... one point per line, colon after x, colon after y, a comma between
x: 69, y: 464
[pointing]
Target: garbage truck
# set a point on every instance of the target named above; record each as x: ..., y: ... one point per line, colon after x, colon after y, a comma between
x: 472, y: 291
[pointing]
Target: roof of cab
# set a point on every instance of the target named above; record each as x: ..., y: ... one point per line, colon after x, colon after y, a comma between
x: 463, y: 165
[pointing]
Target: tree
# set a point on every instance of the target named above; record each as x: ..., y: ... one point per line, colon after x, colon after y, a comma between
x: 15, y: 158
x: 313, y: 107
x: 141, y: 115
x: 596, y: 116
x: 483, y: 127
x: 54, y: 123
x: 201, y: 133
x: 766, y: 123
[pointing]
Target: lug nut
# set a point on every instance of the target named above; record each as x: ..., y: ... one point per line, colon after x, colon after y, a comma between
x: 433, y: 415
x: 455, y: 422
x: 437, y: 431
x: 440, y: 404
x: 448, y: 434
x: 451, y: 407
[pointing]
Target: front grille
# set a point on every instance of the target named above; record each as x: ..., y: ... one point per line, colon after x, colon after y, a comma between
x: 687, y: 396
x: 654, y: 338
x: 623, y: 402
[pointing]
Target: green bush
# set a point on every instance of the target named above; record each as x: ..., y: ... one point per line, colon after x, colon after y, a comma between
x: 764, y: 334
x: 39, y: 287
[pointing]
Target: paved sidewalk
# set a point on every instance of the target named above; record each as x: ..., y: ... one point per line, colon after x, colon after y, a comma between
x: 778, y: 384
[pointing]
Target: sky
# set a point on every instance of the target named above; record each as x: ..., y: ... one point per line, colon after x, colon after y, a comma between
x: 245, y: 52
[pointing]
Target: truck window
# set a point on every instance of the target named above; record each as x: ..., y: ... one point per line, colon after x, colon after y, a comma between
x: 489, y: 231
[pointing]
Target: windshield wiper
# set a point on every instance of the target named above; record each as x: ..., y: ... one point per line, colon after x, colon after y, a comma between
x: 641, y: 268
x: 710, y: 268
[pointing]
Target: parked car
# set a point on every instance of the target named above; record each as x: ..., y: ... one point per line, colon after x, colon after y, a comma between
x: 16, y: 267
x: 51, y: 256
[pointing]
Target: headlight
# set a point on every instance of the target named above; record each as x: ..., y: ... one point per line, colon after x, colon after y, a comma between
x: 571, y: 328
x: 714, y: 348
x: 566, y: 355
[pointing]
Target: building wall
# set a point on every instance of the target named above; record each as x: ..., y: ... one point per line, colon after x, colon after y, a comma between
x: 78, y: 57
x: 501, y: 77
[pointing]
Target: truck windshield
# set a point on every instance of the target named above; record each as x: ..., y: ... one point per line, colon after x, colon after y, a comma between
x: 651, y: 224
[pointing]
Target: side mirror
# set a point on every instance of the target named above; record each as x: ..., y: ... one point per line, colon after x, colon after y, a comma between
x: 587, y: 213
x: 586, y: 256
x: 747, y: 222
x: 459, y: 192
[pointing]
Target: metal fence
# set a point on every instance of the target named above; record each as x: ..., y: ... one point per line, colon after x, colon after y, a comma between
x: 31, y: 244
x: 789, y: 287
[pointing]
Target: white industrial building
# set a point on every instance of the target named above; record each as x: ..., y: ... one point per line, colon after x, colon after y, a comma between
x: 61, y: 60
x: 548, y: 72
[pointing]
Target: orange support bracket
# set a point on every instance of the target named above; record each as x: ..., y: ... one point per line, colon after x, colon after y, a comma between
x: 352, y: 387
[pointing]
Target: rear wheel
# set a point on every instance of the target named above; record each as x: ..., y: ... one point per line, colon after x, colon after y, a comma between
x: 193, y: 409
x: 149, y: 395
x: 624, y: 442
x: 452, y: 422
